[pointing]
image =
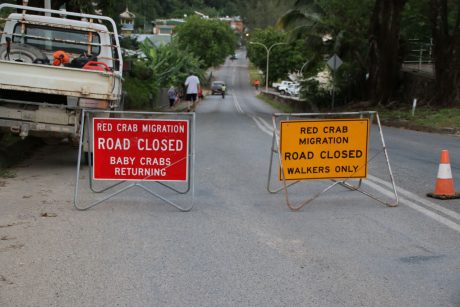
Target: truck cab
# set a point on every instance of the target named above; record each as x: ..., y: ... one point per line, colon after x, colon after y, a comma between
x: 54, y: 64
x: 50, y: 34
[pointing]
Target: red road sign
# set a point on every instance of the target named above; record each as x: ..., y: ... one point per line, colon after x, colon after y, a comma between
x: 140, y: 149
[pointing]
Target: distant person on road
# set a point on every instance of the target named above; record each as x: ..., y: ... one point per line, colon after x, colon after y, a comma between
x: 256, y: 84
x: 192, y: 84
x: 172, y: 95
x: 223, y: 89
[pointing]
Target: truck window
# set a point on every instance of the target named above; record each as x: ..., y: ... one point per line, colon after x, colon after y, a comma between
x: 115, y: 55
x: 76, y: 41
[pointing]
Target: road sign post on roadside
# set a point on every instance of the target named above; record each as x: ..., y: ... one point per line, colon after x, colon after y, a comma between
x: 133, y: 149
x: 316, y: 146
x: 334, y: 63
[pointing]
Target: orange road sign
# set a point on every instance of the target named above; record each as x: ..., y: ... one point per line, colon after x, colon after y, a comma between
x: 324, y: 149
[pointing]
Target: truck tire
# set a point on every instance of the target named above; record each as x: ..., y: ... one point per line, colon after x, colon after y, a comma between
x: 121, y: 103
x: 86, y: 158
x: 23, y: 53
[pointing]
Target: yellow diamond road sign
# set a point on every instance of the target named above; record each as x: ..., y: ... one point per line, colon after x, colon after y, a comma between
x: 324, y: 149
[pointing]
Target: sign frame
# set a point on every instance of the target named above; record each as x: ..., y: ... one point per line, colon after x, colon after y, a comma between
x: 171, y: 191
x: 286, y: 184
x: 321, y: 137
x: 108, y: 120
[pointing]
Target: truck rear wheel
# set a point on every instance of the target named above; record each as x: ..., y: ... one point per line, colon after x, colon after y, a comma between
x: 86, y: 157
x: 23, y: 53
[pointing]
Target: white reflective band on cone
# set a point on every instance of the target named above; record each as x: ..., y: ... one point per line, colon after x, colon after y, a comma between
x: 444, y: 171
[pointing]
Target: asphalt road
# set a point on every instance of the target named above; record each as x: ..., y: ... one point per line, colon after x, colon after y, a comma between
x: 239, y: 245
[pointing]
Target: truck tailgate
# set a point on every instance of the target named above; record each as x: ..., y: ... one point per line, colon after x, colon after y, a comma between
x: 59, y: 80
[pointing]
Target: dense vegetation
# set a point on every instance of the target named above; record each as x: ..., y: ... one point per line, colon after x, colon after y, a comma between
x: 169, y: 64
x: 164, y: 65
x: 210, y: 40
x: 372, y: 37
x: 256, y: 13
x: 146, y: 10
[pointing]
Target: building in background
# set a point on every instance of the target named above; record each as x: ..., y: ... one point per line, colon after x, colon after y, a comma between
x: 155, y: 39
x: 166, y: 26
x: 235, y: 23
x: 127, y: 22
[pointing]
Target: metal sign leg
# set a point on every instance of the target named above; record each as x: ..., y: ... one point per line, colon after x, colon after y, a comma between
x: 275, y: 149
x: 189, y: 183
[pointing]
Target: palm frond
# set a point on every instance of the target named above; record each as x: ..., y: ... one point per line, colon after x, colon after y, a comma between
x: 299, y: 3
x: 338, y: 40
x: 295, y: 17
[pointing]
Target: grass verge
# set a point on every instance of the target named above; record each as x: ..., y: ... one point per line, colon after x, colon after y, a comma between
x: 425, y: 117
x: 445, y: 120
x: 282, y: 107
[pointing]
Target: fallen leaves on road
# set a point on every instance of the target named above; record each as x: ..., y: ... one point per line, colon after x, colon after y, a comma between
x: 3, y: 279
x: 11, y: 224
x: 10, y: 247
x: 48, y: 214
x: 6, y: 238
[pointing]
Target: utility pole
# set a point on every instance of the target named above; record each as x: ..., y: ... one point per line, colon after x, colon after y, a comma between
x: 334, y: 63
x: 268, y: 58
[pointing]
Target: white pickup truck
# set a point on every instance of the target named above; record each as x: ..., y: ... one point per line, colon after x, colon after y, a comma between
x: 53, y: 64
x: 282, y: 86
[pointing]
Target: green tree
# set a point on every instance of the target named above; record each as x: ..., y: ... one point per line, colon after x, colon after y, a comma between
x: 111, y: 8
x: 140, y: 86
x: 263, y: 13
x: 445, y: 18
x: 416, y: 31
x: 384, y: 61
x: 415, y: 21
x: 163, y: 66
x: 209, y: 40
x: 284, y: 58
x: 171, y: 64
x: 71, y: 5
x: 333, y: 27
x: 306, y: 21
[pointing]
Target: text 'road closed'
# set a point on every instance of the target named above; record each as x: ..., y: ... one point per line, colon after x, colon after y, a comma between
x: 324, y: 149
x: 140, y: 149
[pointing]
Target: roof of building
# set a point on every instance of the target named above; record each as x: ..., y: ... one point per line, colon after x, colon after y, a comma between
x: 155, y: 39
x: 127, y: 14
x: 169, y: 22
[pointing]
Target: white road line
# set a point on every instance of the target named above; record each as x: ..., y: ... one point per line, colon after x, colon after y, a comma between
x: 438, y: 218
x: 377, y: 183
x: 266, y: 124
x: 260, y: 122
x: 261, y: 125
x: 415, y: 197
x: 237, y: 104
x: 372, y: 182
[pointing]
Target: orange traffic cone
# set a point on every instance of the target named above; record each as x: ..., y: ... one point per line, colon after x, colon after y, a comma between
x: 444, y: 188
